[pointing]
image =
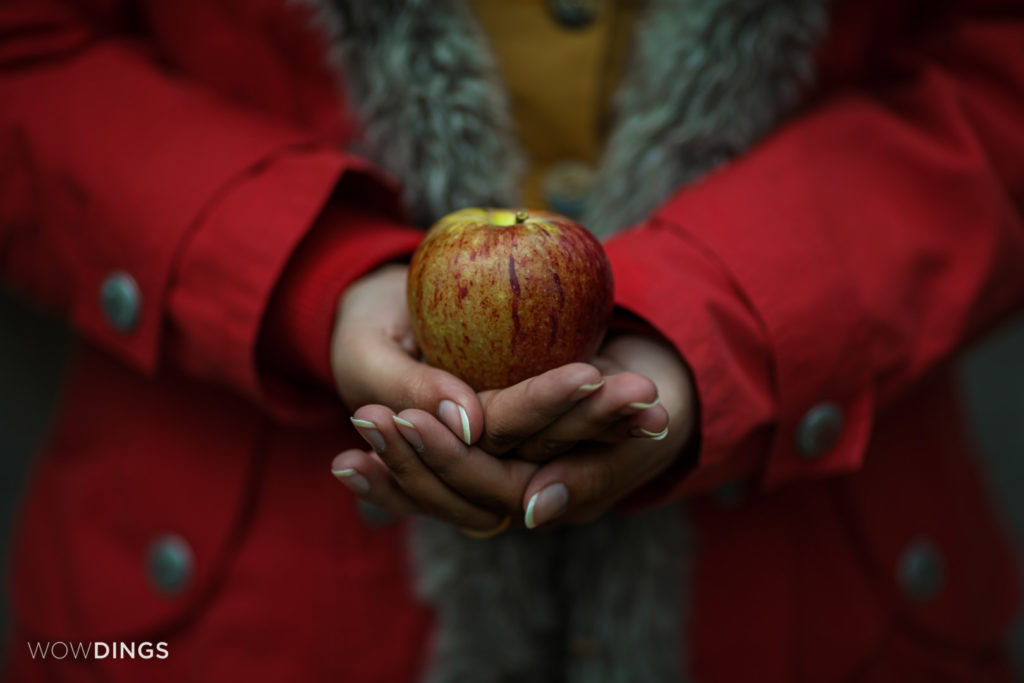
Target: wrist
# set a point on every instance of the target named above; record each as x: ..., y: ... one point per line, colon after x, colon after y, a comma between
x: 343, y: 245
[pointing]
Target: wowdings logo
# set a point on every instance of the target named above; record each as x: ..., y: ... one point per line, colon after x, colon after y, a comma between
x: 62, y: 649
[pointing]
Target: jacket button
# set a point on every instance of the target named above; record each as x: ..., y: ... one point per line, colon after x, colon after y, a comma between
x: 121, y: 301
x: 567, y: 186
x: 921, y: 570
x: 819, y: 430
x: 170, y: 563
x: 574, y: 14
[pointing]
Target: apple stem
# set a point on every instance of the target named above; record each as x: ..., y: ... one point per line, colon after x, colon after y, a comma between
x: 521, y: 217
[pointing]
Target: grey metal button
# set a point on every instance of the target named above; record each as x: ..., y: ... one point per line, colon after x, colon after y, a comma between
x: 574, y: 14
x: 921, y: 570
x: 730, y: 495
x: 170, y: 563
x: 373, y: 515
x: 819, y: 430
x: 567, y: 186
x: 121, y: 301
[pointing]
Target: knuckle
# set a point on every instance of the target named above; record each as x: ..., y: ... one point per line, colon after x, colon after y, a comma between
x: 542, y: 450
x: 442, y: 464
x: 500, y: 438
x: 594, y: 483
x: 418, y: 391
x: 401, y: 468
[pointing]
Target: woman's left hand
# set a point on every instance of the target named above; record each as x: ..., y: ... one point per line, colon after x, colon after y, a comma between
x: 581, y: 485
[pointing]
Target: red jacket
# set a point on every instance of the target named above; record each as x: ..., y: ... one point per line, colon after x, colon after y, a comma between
x: 193, y: 145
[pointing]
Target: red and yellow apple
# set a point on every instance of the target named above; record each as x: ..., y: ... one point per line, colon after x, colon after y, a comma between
x: 500, y: 295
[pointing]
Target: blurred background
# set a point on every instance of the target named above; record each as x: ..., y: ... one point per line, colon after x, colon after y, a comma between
x: 34, y: 350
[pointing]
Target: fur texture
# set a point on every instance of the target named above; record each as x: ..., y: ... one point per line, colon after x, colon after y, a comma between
x: 427, y: 94
x: 498, y: 610
x: 601, y: 602
x: 706, y: 80
x: 622, y: 579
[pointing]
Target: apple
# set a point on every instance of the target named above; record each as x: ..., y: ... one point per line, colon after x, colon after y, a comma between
x: 500, y: 295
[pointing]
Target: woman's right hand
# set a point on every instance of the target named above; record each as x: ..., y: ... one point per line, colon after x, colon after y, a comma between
x: 374, y: 357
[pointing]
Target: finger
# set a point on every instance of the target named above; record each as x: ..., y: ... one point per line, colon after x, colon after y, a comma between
x: 579, y: 487
x: 652, y: 423
x: 431, y: 495
x: 513, y: 414
x: 373, y: 367
x: 373, y: 360
x: 494, y: 483
x: 371, y: 481
x: 625, y: 394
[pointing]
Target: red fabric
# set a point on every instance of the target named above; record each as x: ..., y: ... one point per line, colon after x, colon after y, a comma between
x: 303, y: 310
x: 867, y: 242
x: 197, y: 145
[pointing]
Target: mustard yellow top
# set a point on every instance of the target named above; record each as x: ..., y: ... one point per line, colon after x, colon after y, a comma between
x: 560, y: 79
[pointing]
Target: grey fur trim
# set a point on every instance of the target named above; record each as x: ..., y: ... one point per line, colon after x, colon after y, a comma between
x: 433, y: 111
x: 623, y: 577
x: 707, y: 79
x: 598, y: 603
x: 497, y: 604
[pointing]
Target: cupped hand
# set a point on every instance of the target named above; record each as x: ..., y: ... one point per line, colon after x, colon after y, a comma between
x: 583, y: 484
x: 374, y: 357
x: 418, y: 466
x: 421, y: 468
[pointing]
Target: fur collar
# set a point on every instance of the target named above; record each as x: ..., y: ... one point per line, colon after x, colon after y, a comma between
x: 705, y: 81
x: 426, y: 92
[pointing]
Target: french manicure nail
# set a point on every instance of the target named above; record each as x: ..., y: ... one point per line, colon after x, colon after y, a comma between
x: 371, y: 433
x: 454, y: 415
x: 644, y: 406
x: 646, y: 434
x: 546, y: 504
x: 352, y: 479
x: 409, y: 431
x: 585, y: 390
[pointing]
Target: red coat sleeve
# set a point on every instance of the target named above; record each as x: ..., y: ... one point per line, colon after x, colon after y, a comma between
x: 845, y: 256
x: 115, y: 165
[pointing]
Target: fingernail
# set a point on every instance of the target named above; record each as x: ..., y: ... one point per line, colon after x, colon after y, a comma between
x: 409, y: 431
x: 352, y: 479
x: 653, y: 436
x: 585, y: 390
x: 454, y: 415
x: 644, y: 406
x: 546, y: 504
x: 371, y: 433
